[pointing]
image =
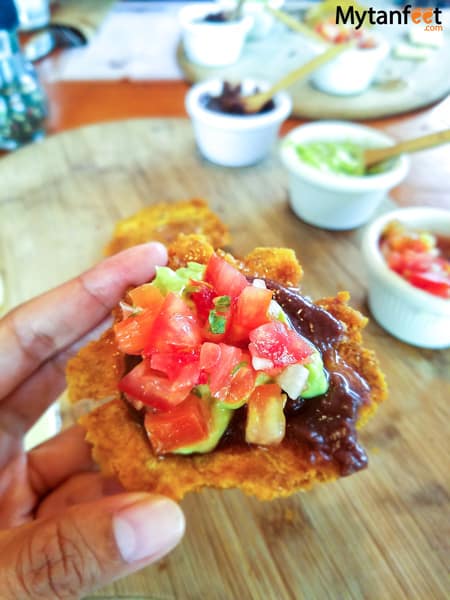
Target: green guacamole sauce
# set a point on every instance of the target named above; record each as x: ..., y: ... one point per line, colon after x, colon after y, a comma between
x: 344, y: 158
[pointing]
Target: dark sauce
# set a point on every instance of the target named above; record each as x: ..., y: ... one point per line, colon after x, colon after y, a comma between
x: 326, y: 424
x: 229, y: 101
x: 217, y: 17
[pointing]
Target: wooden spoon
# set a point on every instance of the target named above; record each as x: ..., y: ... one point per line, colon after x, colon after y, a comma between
x: 255, y: 102
x: 373, y: 156
x: 235, y: 14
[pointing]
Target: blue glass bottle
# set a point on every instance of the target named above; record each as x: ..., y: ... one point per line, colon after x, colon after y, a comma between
x: 23, y: 103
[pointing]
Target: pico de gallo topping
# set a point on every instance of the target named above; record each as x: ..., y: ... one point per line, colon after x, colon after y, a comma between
x: 210, y: 342
x: 420, y: 257
x: 338, y: 33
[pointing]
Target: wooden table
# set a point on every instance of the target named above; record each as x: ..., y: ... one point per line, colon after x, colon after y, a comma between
x: 378, y: 534
x: 73, y: 104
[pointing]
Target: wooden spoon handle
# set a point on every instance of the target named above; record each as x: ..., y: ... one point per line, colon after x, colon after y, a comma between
x: 375, y: 155
x: 236, y: 12
x: 256, y: 101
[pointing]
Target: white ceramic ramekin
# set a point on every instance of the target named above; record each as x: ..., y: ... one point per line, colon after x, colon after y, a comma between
x: 234, y: 140
x: 408, y: 313
x: 332, y: 200
x: 351, y: 72
x: 212, y: 44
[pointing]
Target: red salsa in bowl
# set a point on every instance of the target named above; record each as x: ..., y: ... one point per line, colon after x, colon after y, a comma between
x: 420, y: 257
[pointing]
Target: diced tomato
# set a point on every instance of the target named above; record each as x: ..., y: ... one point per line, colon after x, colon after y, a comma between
x: 158, y: 391
x: 402, y: 262
x: 171, y: 363
x: 146, y: 296
x: 203, y: 379
x: 214, y: 338
x: 221, y: 373
x: 341, y: 37
x: 209, y: 356
x: 368, y: 43
x: 242, y: 384
x: 399, y: 242
x: 133, y: 333
x: 266, y: 423
x: 418, y: 257
x: 434, y: 283
x: 174, y: 329
x: 225, y: 278
x: 220, y: 376
x: 187, y: 423
x: 202, y: 294
x: 250, y: 312
x: 276, y: 343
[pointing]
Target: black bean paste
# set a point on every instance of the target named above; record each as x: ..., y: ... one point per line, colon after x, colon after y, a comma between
x: 326, y: 423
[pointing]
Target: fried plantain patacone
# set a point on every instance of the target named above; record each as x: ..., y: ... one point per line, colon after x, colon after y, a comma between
x: 219, y: 373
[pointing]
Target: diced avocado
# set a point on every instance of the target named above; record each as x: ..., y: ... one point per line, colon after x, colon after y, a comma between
x: 233, y: 406
x: 263, y: 378
x: 194, y: 271
x: 168, y: 280
x: 202, y: 391
x: 317, y: 382
x: 221, y: 417
x: 337, y: 157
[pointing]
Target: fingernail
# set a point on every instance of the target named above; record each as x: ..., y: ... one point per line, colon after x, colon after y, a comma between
x: 148, y: 529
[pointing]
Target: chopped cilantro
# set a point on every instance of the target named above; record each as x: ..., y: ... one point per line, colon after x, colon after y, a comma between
x: 222, y: 302
x: 216, y: 322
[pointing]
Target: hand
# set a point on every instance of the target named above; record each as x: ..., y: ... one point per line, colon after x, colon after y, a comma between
x: 62, y: 532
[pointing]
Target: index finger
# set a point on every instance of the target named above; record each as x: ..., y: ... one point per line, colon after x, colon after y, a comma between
x: 42, y: 327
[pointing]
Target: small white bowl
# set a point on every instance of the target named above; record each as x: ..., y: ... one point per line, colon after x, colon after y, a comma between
x: 235, y: 140
x: 408, y: 313
x: 212, y: 44
x: 351, y: 72
x: 331, y: 200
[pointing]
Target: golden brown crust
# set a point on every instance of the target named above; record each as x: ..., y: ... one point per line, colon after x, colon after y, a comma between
x: 279, y: 264
x: 164, y: 222
x: 119, y: 442
x: 189, y: 248
x: 94, y: 372
x: 120, y: 447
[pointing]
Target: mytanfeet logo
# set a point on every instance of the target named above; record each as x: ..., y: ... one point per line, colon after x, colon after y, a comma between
x: 430, y: 17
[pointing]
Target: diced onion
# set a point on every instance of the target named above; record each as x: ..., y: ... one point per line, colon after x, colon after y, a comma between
x: 128, y: 310
x: 260, y: 364
x: 259, y: 283
x: 292, y: 380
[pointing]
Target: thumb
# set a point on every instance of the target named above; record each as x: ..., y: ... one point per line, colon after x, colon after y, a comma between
x: 87, y: 546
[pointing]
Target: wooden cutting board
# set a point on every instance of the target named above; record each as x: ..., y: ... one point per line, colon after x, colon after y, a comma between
x: 382, y: 533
